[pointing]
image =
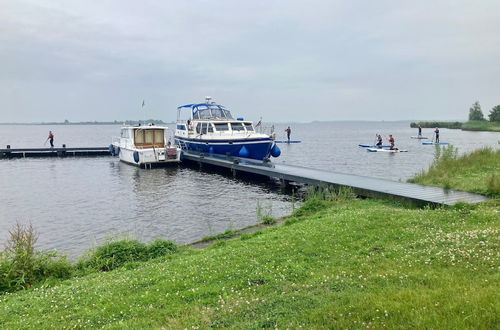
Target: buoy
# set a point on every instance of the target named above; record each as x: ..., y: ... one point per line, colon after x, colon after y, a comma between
x: 244, y: 153
x: 275, y: 151
x: 136, y: 156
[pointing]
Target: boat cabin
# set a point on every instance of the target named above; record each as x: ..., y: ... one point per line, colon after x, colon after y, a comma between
x: 209, y: 118
x: 145, y: 137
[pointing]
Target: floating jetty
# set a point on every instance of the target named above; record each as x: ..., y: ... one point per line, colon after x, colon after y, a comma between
x: 54, y: 152
x: 361, y: 185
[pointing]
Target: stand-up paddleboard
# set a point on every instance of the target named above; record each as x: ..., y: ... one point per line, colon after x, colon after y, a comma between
x: 385, y: 150
x: 419, y: 137
x: 285, y: 141
x: 434, y: 143
x: 371, y: 146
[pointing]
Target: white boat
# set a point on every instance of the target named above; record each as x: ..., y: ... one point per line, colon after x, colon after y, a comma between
x: 145, y: 146
x: 210, y: 128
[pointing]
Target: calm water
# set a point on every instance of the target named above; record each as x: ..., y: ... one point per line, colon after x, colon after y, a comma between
x: 76, y: 203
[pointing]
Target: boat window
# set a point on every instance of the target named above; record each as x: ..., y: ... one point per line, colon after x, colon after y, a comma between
x: 139, y: 136
x: 210, y: 128
x: 148, y: 136
x: 249, y: 127
x: 237, y: 127
x: 220, y: 127
x: 227, y: 114
x: 196, y: 115
x: 158, y: 136
x: 202, y: 114
x: 125, y: 133
x: 182, y: 127
x: 204, y: 128
x: 217, y: 113
x: 198, y: 128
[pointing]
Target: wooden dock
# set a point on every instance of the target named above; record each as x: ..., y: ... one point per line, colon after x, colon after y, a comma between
x: 361, y: 185
x: 54, y: 152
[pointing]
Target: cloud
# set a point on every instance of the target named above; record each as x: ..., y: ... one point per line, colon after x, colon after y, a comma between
x: 374, y: 60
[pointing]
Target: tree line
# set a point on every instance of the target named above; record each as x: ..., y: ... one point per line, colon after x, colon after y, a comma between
x: 476, y: 114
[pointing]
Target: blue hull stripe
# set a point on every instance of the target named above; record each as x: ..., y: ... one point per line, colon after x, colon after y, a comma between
x: 258, y: 149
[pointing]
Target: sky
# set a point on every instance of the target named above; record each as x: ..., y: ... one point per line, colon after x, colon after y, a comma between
x: 284, y: 61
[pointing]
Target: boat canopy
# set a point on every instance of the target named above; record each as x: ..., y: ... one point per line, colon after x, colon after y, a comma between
x: 207, y: 111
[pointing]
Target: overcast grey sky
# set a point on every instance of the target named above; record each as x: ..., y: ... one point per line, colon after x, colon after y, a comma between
x: 282, y: 60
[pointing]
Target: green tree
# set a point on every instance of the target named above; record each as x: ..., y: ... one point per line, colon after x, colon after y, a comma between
x: 495, y: 114
x: 475, y: 112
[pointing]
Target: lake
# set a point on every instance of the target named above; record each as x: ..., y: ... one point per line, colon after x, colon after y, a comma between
x: 76, y: 203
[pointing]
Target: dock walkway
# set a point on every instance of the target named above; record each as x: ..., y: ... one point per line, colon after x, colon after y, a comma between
x: 54, y: 152
x: 361, y: 185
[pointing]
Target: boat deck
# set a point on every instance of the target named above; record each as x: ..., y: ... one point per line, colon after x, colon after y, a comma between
x: 361, y: 185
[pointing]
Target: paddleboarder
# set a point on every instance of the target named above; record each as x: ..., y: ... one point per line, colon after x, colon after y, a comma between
x: 391, y: 141
x: 436, y: 131
x: 379, y: 141
x: 288, y: 132
x: 50, y: 138
x: 419, y: 131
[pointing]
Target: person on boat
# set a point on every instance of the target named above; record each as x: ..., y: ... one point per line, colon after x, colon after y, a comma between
x: 288, y: 132
x: 391, y: 142
x: 379, y: 141
x: 436, y: 131
x: 419, y: 131
x: 51, y: 139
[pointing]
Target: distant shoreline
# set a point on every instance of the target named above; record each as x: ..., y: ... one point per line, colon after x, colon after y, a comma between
x: 483, y: 126
x: 116, y: 122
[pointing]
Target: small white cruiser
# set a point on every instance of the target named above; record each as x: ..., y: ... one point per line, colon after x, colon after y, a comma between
x: 145, y: 146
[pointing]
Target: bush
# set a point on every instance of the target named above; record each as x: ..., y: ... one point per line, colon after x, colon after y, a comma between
x: 115, y: 254
x: 21, y: 266
x: 160, y: 248
x: 112, y: 255
x: 267, y: 220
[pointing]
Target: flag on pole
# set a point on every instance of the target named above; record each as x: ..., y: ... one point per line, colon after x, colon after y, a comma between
x: 143, y: 103
x: 258, y: 124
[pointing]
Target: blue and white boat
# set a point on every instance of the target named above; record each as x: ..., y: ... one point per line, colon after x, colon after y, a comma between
x: 210, y: 128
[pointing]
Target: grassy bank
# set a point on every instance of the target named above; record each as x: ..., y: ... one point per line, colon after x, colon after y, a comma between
x: 477, y: 172
x: 344, y: 264
x: 481, y: 126
x: 440, y: 124
x: 467, y: 126
x: 337, y: 262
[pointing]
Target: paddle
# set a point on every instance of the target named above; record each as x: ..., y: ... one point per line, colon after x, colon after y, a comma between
x: 45, y: 142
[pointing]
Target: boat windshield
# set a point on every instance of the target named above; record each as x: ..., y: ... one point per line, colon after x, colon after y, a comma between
x: 211, y: 112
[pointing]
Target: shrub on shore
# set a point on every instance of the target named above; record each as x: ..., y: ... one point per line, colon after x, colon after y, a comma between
x: 115, y: 254
x: 21, y: 266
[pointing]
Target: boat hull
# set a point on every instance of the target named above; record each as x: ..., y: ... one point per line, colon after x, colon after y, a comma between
x: 149, y: 156
x: 254, y: 149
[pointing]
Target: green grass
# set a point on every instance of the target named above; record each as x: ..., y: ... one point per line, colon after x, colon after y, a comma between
x: 477, y: 172
x: 225, y: 235
x: 349, y: 264
x: 481, y: 126
x: 467, y: 126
